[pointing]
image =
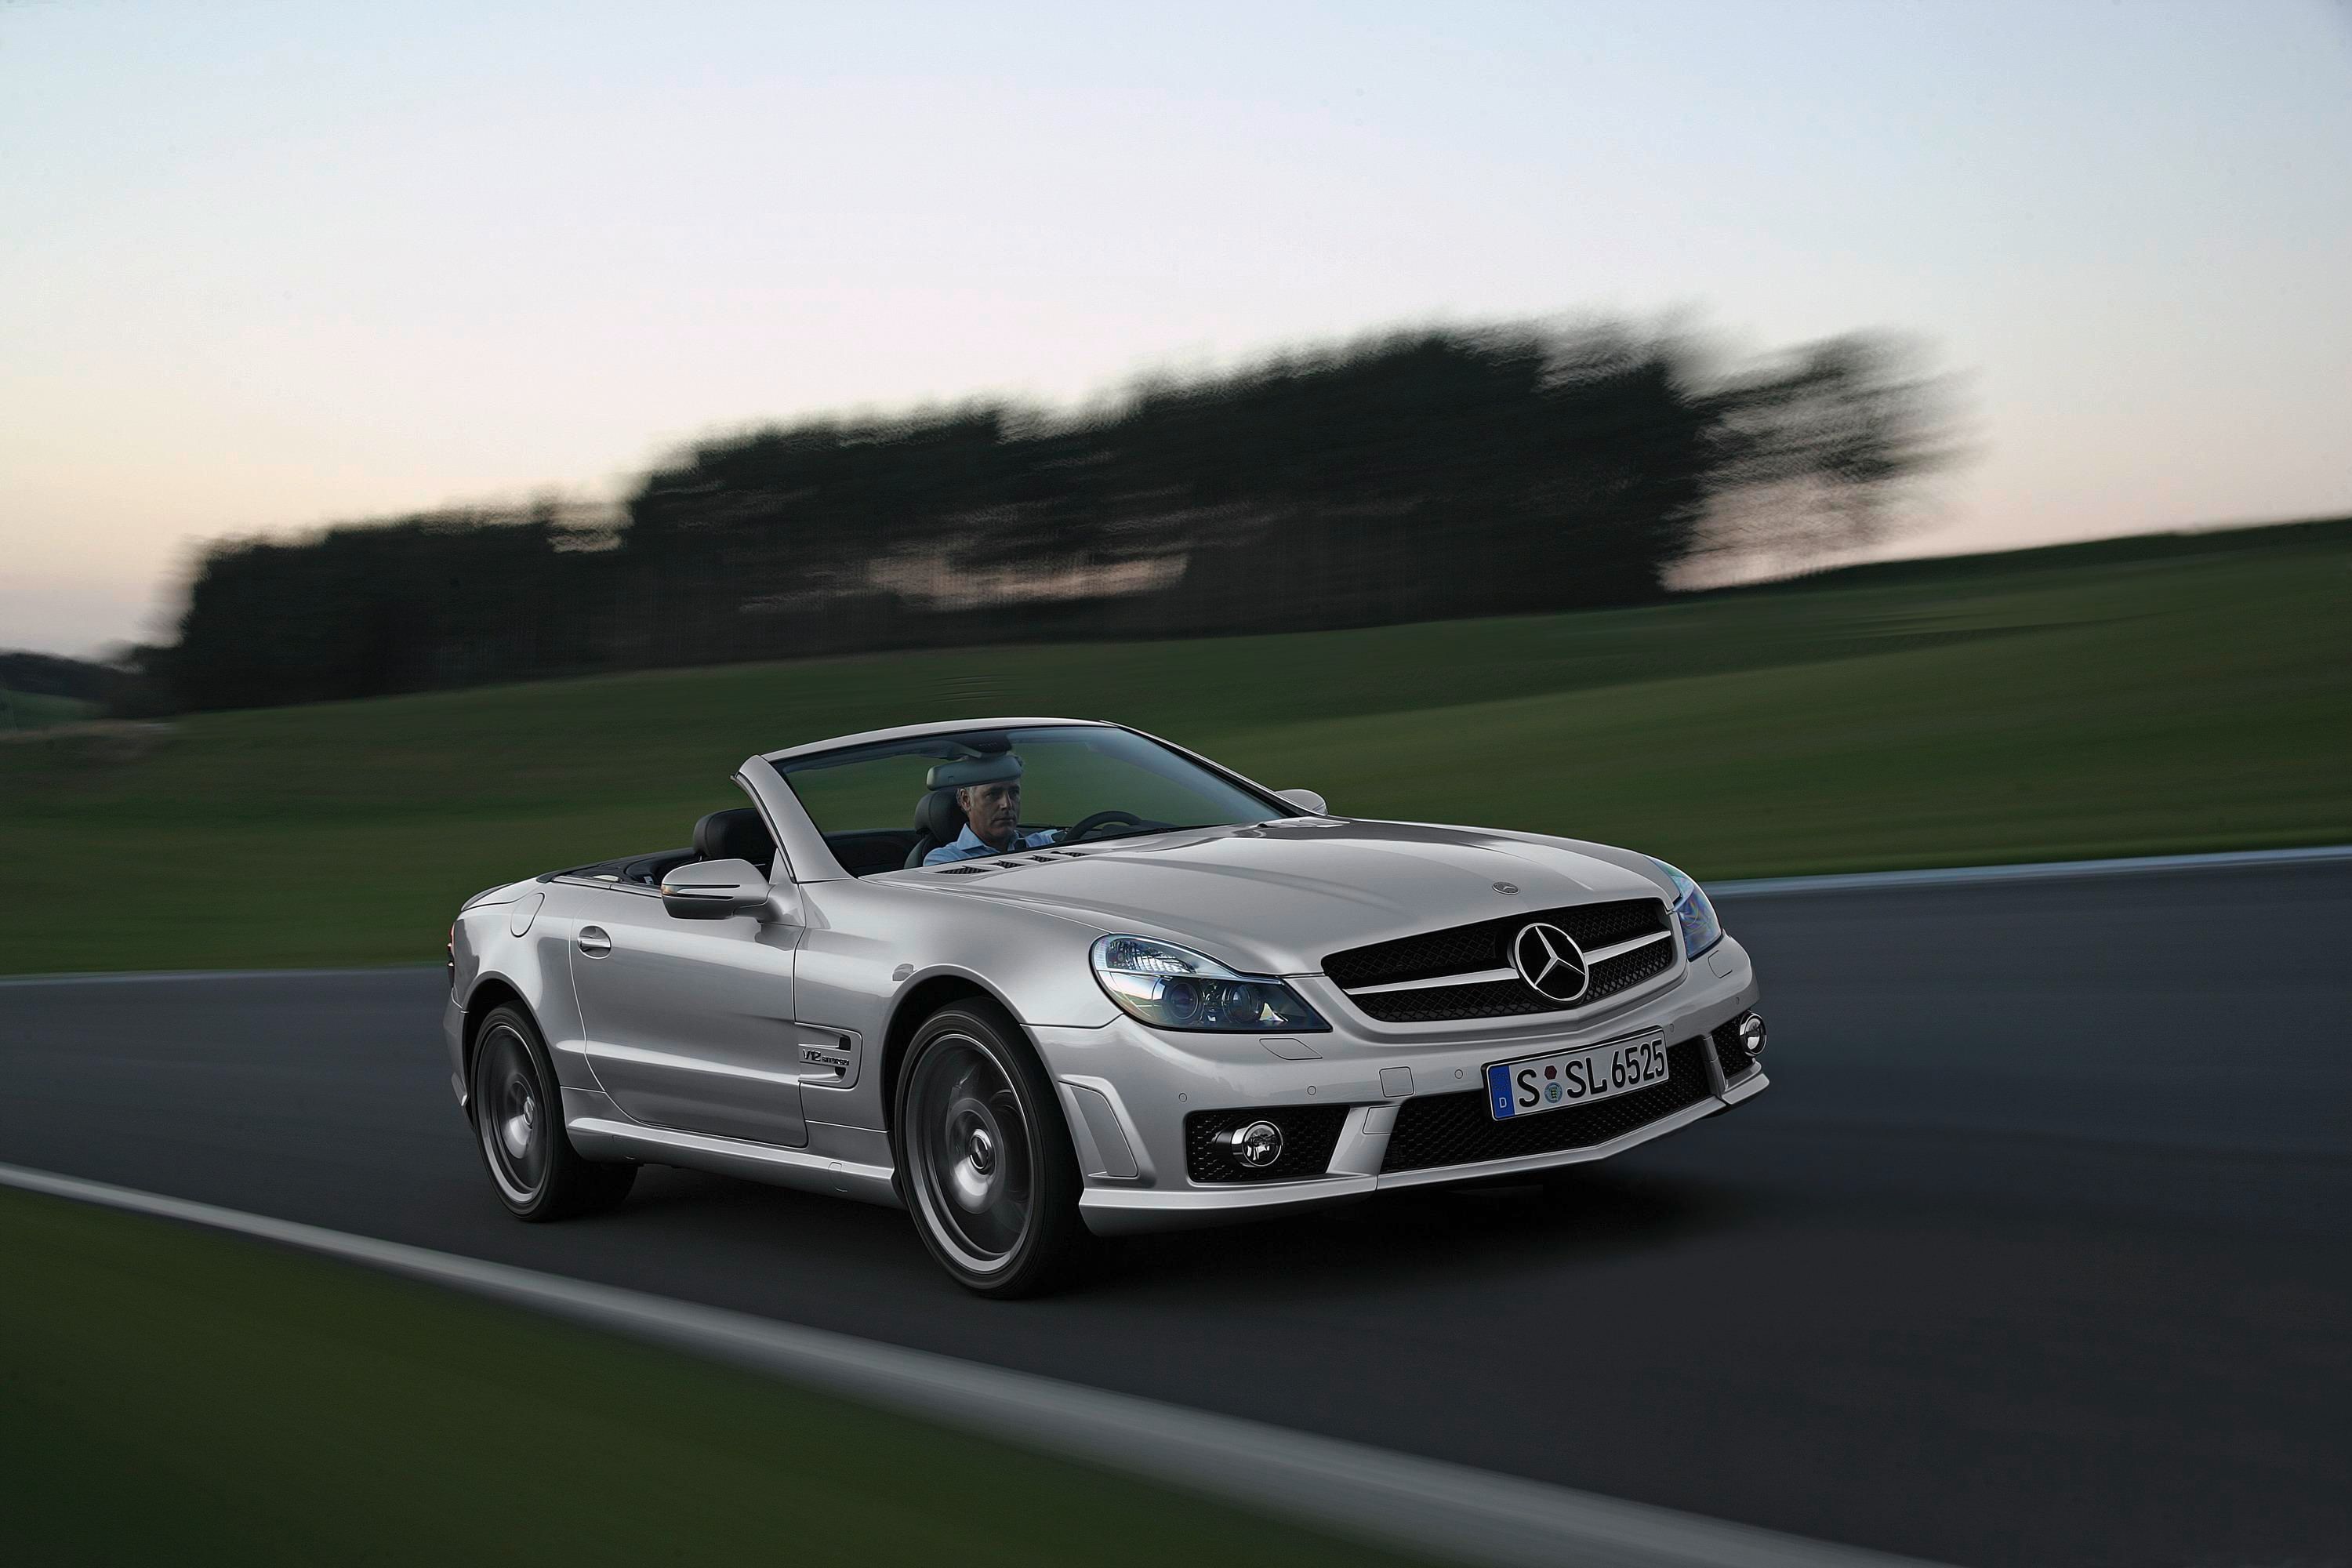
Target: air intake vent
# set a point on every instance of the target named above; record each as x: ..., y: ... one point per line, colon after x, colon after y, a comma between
x: 1736, y: 1060
x: 962, y: 870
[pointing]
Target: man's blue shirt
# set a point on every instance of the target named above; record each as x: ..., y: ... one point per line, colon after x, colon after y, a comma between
x: 968, y: 847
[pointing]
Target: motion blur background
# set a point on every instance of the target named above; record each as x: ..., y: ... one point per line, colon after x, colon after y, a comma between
x: 353, y: 357
x: 441, y: 441
x: 883, y: 320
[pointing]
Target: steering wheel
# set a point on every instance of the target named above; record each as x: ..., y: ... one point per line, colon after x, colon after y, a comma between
x: 1078, y: 830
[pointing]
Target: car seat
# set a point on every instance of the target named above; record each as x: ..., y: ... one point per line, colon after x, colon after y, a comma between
x: 939, y: 818
x: 737, y: 835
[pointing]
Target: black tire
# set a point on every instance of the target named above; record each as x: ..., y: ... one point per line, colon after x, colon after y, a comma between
x: 518, y: 1114
x: 984, y: 1157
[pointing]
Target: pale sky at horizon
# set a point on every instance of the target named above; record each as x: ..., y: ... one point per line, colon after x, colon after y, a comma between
x: 264, y: 266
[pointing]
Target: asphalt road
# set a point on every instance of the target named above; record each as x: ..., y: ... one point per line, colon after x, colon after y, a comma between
x: 2035, y: 1252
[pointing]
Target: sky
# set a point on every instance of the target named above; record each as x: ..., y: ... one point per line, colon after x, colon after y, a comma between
x: 266, y: 266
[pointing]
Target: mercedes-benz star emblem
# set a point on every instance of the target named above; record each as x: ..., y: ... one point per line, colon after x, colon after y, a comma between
x: 1549, y: 959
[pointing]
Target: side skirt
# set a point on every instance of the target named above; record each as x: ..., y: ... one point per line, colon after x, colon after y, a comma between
x: 599, y: 1132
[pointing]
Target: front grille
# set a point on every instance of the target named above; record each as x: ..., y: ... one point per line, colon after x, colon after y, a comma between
x: 1309, y: 1134
x: 1462, y: 950
x: 1466, y: 949
x: 1433, y: 1129
x: 1735, y: 1061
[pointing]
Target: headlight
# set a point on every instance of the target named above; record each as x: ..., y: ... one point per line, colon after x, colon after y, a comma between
x: 1701, y: 929
x: 1172, y: 988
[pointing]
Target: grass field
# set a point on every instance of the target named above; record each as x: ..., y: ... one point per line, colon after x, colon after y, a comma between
x: 30, y: 710
x: 174, y: 1396
x: 2170, y: 693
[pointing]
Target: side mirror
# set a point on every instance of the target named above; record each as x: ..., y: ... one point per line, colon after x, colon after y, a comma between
x: 714, y: 889
x: 1308, y: 803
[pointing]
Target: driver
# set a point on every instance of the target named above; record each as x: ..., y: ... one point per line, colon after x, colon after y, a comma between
x: 991, y: 824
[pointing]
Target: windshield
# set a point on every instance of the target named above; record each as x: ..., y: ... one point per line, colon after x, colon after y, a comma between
x: 938, y: 798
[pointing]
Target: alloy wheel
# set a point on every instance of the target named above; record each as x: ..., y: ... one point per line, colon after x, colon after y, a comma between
x: 511, y: 1115
x: 969, y: 1144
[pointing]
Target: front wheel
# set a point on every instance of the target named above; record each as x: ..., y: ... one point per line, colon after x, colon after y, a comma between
x: 985, y: 1155
x: 519, y: 1127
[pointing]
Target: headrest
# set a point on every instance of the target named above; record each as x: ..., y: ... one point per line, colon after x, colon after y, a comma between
x: 1002, y: 768
x: 939, y: 814
x: 737, y: 835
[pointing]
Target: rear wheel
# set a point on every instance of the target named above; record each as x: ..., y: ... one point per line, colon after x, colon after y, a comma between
x: 518, y: 1112
x: 985, y: 1157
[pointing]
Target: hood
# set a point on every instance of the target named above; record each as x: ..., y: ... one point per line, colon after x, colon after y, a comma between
x: 1273, y: 898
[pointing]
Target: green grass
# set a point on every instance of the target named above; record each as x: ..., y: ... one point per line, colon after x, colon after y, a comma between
x: 31, y: 711
x: 2178, y: 693
x: 176, y: 1396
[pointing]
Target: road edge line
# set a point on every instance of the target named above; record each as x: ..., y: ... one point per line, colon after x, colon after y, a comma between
x: 1349, y: 1488
x: 160, y: 976
x: 2032, y: 871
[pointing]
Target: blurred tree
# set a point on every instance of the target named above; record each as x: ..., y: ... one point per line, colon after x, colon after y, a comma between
x: 1409, y: 476
x: 1811, y: 457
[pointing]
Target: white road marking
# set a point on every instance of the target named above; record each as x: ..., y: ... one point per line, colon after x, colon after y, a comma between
x: 157, y: 976
x: 1451, y: 1510
x: 2033, y: 871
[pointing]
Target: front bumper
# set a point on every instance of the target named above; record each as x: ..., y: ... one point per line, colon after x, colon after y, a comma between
x: 1126, y: 1091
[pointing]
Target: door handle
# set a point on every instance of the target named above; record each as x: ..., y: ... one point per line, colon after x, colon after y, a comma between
x: 595, y: 941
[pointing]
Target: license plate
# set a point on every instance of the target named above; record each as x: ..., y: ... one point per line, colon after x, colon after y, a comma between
x: 1533, y: 1085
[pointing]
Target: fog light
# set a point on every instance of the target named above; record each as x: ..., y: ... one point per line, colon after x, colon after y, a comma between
x: 1257, y: 1145
x: 1751, y: 1035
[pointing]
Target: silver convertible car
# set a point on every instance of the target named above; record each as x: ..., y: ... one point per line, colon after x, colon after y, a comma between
x: 1039, y: 979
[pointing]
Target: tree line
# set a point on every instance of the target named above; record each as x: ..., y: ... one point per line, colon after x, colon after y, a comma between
x: 1413, y: 476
